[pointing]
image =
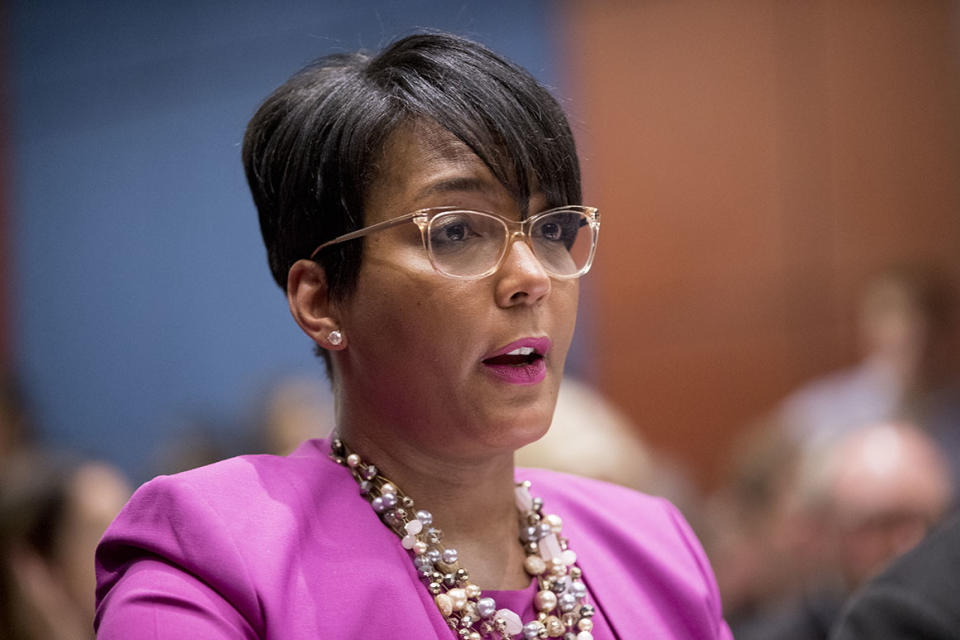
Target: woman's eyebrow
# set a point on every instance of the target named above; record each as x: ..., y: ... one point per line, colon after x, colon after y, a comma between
x: 458, y: 184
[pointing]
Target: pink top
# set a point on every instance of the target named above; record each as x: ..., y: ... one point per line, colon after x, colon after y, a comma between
x: 285, y: 548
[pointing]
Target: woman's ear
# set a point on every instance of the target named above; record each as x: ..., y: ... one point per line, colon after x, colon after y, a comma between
x: 310, y: 304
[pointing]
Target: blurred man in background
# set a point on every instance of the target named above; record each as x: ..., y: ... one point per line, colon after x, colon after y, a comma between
x: 855, y: 504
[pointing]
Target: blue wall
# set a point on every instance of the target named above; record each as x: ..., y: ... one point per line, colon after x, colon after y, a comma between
x: 141, y: 287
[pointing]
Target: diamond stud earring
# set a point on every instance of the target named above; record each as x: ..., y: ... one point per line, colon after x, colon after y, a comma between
x: 335, y: 337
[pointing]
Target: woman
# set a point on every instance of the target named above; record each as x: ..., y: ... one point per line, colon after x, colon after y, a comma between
x: 421, y: 210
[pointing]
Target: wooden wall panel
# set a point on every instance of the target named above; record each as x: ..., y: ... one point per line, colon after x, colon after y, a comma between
x: 754, y: 162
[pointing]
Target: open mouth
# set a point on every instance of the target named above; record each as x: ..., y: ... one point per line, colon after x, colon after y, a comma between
x: 520, y: 362
x: 519, y: 357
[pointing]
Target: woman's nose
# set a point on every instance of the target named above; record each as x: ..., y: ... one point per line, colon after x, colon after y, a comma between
x: 521, y: 278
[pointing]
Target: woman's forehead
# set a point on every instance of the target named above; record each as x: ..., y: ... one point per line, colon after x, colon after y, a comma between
x: 423, y: 163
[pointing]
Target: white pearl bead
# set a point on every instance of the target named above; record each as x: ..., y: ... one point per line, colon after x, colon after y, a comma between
x: 458, y: 597
x: 444, y: 604
x: 546, y: 600
x: 407, y: 542
x: 413, y: 527
x: 555, y: 522
x: 584, y: 635
x: 419, y: 548
x: 534, y: 565
x: 353, y: 460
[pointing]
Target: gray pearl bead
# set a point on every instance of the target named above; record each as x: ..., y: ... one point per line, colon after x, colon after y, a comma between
x: 425, y: 517
x: 578, y: 589
x: 377, y: 504
x: 486, y: 607
x: 450, y: 556
x: 531, y: 631
x: 566, y: 602
x: 389, y: 500
x: 433, y: 555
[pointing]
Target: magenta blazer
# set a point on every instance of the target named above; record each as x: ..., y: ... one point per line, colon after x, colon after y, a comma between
x: 284, y: 548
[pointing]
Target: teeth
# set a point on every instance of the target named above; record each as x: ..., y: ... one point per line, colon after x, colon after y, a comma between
x: 521, y: 351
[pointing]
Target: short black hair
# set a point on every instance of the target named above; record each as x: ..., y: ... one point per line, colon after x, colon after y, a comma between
x: 311, y: 150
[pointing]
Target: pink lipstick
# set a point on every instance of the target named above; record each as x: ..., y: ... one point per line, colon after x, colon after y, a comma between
x: 520, y: 362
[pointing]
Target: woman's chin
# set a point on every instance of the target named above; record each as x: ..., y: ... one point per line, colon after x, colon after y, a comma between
x: 518, y: 434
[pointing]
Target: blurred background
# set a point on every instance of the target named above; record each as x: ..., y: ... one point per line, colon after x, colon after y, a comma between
x: 777, y: 269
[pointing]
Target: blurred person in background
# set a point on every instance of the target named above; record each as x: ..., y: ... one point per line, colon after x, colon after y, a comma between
x: 16, y: 428
x: 197, y: 441
x: 590, y: 437
x: 908, y: 338
x: 863, y: 501
x: 918, y: 596
x: 52, y: 514
x: 295, y: 409
x: 755, y: 534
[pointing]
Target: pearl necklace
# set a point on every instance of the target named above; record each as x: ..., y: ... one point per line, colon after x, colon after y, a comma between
x: 561, y: 593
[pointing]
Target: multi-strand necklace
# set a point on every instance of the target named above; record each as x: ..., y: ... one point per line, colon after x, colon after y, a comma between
x: 560, y: 602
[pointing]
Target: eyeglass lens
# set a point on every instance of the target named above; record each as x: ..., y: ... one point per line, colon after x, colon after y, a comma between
x: 468, y: 243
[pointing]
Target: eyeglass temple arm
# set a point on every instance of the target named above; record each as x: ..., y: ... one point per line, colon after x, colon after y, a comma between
x: 359, y: 233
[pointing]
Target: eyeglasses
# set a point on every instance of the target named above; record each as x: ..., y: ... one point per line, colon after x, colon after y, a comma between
x: 471, y: 244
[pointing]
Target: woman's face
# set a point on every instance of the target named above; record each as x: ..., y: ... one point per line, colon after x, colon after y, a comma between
x: 424, y: 350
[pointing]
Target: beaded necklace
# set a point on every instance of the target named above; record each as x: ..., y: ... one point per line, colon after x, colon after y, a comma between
x: 561, y: 594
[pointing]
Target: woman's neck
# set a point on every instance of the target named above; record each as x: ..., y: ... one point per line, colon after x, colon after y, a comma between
x: 472, y: 500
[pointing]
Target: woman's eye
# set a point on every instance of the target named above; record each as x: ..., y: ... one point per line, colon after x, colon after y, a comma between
x: 453, y: 231
x: 551, y: 231
x: 555, y: 231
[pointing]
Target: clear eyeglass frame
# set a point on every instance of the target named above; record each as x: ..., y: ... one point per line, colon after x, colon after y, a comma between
x: 515, y: 229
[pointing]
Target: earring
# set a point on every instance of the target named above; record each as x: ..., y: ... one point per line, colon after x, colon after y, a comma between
x: 335, y: 337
